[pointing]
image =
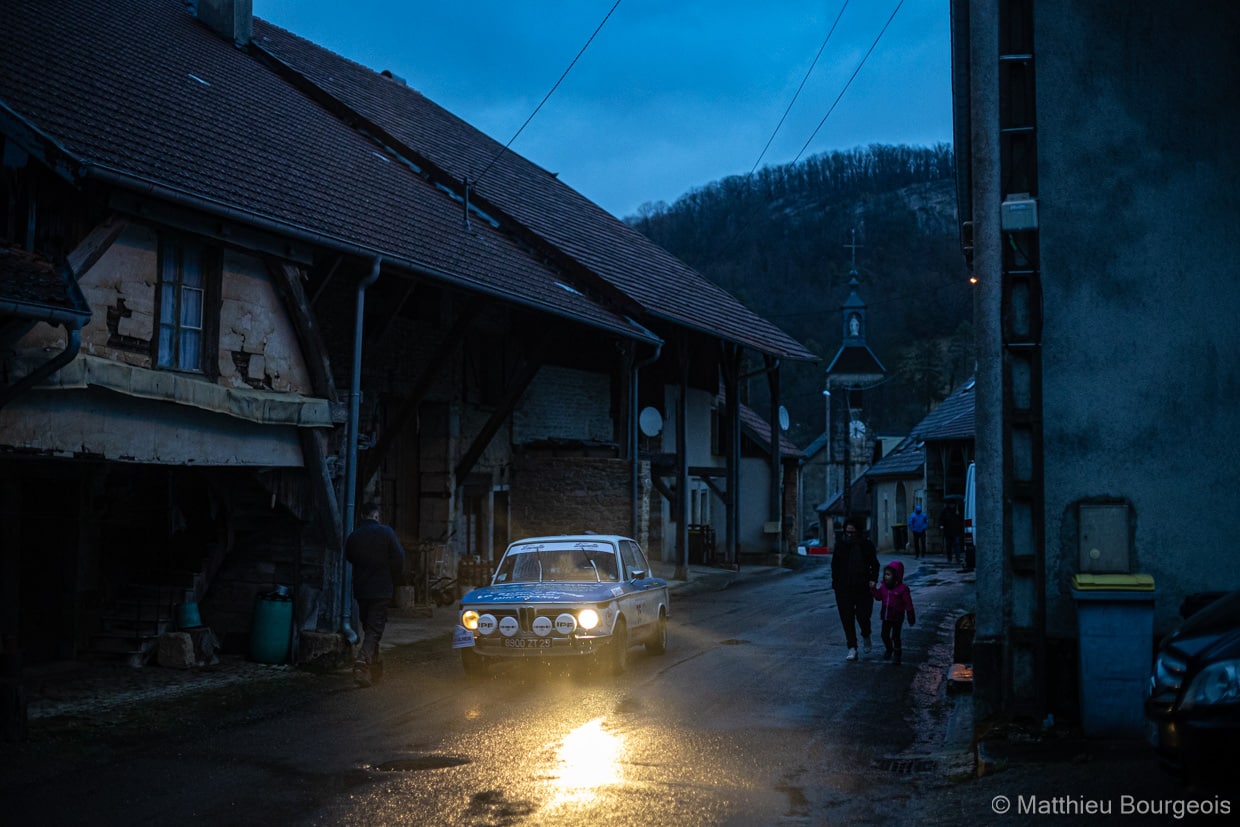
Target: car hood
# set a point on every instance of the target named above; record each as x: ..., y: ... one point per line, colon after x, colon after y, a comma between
x: 544, y: 593
x: 1214, y: 631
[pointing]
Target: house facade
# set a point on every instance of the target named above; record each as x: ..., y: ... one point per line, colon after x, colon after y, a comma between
x: 296, y: 291
x: 1097, y: 200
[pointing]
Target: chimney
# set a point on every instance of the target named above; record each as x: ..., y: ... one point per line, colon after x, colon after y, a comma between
x: 233, y: 19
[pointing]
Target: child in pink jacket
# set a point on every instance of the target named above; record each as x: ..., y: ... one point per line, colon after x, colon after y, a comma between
x: 895, y: 601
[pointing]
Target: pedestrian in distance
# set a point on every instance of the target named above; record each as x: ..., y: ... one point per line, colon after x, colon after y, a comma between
x: 854, y: 572
x: 951, y: 525
x: 378, y: 560
x: 895, y: 604
x: 918, y: 522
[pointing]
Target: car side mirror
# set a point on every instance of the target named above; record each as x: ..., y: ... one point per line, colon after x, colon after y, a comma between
x: 637, y: 574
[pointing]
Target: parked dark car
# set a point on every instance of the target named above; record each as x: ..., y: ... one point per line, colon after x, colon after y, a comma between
x: 1193, y: 710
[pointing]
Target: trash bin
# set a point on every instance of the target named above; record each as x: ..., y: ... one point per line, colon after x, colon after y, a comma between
x: 1115, y: 626
x: 899, y: 536
x: 272, y: 626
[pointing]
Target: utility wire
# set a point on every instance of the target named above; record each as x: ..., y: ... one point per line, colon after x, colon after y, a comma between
x: 499, y: 154
x: 850, y: 80
x: 747, y: 223
x: 799, y: 88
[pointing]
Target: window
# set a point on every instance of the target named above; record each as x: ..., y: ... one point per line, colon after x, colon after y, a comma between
x: 633, y: 558
x: 186, y: 274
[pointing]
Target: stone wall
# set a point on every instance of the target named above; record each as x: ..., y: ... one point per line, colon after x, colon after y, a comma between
x: 571, y: 494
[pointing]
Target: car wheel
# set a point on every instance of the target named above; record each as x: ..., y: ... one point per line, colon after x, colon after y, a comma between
x: 619, y: 648
x: 657, y: 645
x: 475, y: 665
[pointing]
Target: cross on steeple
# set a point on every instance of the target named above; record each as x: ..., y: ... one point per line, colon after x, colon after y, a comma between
x: 854, y: 245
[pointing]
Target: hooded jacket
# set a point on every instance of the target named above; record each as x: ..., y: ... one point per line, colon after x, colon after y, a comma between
x: 919, y: 520
x: 897, y: 601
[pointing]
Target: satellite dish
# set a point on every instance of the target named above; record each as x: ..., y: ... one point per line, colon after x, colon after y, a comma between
x: 784, y: 421
x: 650, y: 421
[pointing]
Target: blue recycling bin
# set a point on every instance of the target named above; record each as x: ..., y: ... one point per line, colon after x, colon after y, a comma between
x: 1115, y: 626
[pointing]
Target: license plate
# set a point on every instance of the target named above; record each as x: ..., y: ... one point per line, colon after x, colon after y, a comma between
x: 527, y: 643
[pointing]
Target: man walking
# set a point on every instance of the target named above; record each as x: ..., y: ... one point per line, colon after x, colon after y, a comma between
x: 918, y: 522
x: 378, y: 560
x: 854, y: 571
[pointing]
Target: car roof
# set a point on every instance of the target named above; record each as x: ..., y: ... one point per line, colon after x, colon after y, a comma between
x: 607, y: 539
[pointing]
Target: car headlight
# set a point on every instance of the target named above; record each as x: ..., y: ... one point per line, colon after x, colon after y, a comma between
x: 587, y: 618
x: 1218, y: 683
x: 1168, y: 675
x: 469, y: 619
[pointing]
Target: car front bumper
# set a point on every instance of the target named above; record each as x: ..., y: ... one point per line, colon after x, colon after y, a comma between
x: 1201, y: 745
x: 526, y: 646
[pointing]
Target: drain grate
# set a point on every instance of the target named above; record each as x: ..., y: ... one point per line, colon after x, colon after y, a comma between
x: 906, y: 766
x: 424, y: 762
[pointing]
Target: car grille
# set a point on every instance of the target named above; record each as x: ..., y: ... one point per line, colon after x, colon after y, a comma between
x: 525, y: 615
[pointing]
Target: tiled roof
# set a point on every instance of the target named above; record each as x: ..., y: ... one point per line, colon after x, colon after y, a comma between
x: 904, y: 460
x: 818, y: 444
x: 760, y: 429
x: 856, y: 360
x: 952, y: 419
x: 143, y: 94
x: 664, y: 287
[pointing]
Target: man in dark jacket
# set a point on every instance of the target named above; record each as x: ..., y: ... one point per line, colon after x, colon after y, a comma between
x: 378, y: 560
x: 854, y: 571
x: 951, y: 524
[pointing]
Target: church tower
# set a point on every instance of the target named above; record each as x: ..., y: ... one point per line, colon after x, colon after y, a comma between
x: 854, y: 369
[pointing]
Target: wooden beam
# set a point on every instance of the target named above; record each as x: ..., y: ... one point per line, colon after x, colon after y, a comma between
x: 516, y: 388
x: 287, y: 279
x: 436, y: 364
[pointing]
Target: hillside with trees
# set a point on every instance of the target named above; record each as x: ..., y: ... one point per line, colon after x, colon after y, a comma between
x: 780, y: 240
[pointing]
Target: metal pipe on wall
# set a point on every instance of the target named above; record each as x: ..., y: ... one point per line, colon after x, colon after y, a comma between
x: 351, y: 434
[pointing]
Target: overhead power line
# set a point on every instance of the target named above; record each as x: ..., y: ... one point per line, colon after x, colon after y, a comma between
x: 499, y: 154
x: 850, y: 80
x: 799, y: 88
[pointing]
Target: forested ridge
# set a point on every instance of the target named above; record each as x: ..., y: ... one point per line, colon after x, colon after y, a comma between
x: 780, y: 240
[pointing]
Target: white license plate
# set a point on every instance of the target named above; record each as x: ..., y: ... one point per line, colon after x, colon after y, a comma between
x: 527, y: 643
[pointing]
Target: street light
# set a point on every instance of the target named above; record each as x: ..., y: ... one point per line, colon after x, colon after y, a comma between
x: 830, y: 453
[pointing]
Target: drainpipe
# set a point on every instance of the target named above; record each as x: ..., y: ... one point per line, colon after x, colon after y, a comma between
x: 634, y: 439
x: 350, y: 467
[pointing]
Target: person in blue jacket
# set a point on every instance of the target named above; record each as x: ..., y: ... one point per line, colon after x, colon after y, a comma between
x: 918, y: 522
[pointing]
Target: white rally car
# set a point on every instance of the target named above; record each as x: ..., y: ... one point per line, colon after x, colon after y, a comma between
x: 578, y: 596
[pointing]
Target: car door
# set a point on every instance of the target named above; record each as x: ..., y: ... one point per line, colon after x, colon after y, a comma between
x: 642, y: 593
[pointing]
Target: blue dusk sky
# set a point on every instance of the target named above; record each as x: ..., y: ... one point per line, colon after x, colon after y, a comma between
x: 670, y: 94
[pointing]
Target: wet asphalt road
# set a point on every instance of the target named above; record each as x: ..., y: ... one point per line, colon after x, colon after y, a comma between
x: 752, y: 717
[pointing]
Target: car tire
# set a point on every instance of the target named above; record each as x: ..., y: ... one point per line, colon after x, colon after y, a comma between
x: 475, y: 665
x: 618, y: 649
x: 657, y: 645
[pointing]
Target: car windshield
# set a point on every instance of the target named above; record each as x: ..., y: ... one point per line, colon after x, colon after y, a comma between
x: 575, y: 562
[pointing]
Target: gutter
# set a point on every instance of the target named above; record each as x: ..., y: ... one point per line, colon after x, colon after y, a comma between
x: 350, y: 469
x: 57, y: 362
x: 70, y: 319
